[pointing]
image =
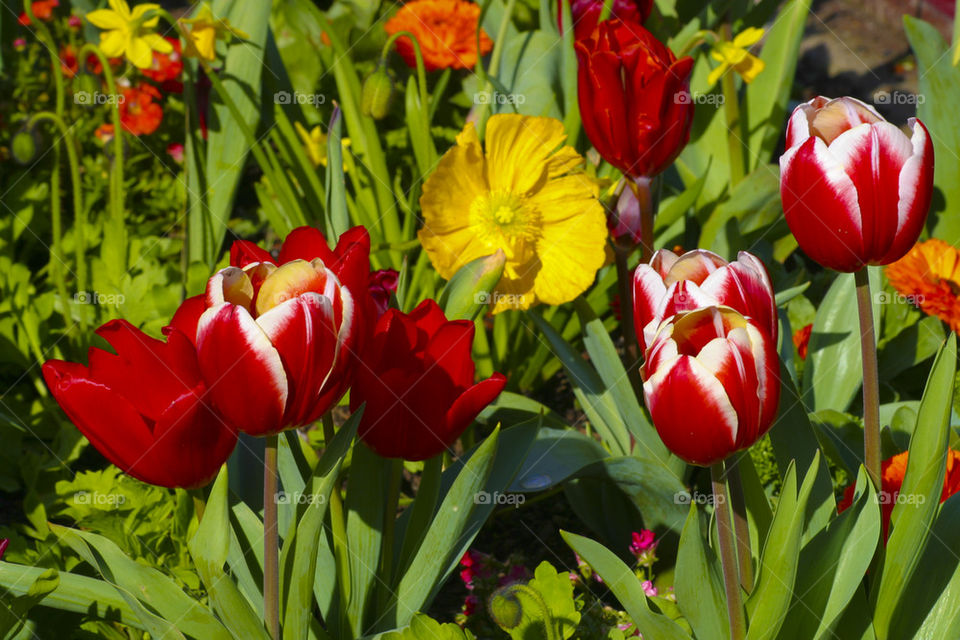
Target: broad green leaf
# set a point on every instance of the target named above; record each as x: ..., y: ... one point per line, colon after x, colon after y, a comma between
x: 625, y: 585
x: 555, y: 455
x: 338, y: 218
x: 674, y: 208
x: 770, y: 601
x: 142, y: 587
x: 910, y: 347
x: 912, y: 519
x: 209, y: 547
x: 14, y: 610
x: 939, y: 83
x: 699, y: 582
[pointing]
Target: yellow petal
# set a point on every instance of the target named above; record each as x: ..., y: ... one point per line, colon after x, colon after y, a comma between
x: 716, y: 73
x: 204, y: 41
x: 516, y: 289
x: 121, y: 7
x: 750, y: 67
x: 157, y: 42
x: 142, y: 9
x: 113, y: 43
x: 106, y: 19
x: 571, y: 252
x: 139, y: 53
x: 563, y: 161
x: 562, y: 198
x: 518, y: 148
x: 748, y: 37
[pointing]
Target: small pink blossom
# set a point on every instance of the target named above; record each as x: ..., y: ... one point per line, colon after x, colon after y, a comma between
x: 648, y: 588
x: 175, y: 150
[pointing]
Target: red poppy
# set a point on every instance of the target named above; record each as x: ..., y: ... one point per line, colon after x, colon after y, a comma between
x: 634, y: 97
x: 417, y: 380
x: 145, y: 408
x: 139, y: 114
x: 801, y: 340
x: 42, y: 9
x: 166, y: 68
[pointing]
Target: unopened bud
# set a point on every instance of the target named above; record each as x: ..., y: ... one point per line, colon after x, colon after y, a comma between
x: 377, y: 94
x: 24, y: 145
x: 505, y: 608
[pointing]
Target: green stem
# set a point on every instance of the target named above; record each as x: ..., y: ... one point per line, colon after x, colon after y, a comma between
x: 871, y: 384
x: 422, y: 509
x: 338, y: 523
x: 731, y: 108
x: 390, y: 525
x: 271, y: 541
x: 740, y: 526
x: 494, y: 64
x: 728, y: 555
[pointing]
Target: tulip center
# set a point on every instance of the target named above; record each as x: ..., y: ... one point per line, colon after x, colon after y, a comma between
x: 289, y: 281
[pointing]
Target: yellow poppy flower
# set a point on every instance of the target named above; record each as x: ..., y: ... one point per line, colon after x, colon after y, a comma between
x: 205, y: 30
x: 735, y: 55
x: 315, y: 144
x: 524, y: 195
x: 129, y: 33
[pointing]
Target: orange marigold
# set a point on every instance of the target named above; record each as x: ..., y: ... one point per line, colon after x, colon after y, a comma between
x: 446, y: 31
x: 892, y: 471
x: 929, y: 275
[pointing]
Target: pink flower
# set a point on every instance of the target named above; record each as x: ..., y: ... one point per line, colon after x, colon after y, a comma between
x: 649, y: 589
x: 74, y: 22
x: 643, y: 541
x: 3, y: 546
x: 175, y: 151
x: 383, y: 284
x: 19, y: 44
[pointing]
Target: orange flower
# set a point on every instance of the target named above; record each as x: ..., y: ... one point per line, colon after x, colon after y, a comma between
x: 801, y: 340
x: 166, y: 67
x: 139, y: 114
x: 70, y: 65
x: 42, y: 9
x: 104, y: 133
x: 929, y: 276
x: 446, y: 31
x: 892, y: 471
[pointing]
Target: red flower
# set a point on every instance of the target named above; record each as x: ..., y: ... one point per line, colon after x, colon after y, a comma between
x: 712, y: 383
x: 586, y: 13
x: 634, y: 97
x: 892, y: 471
x: 277, y: 338
x: 383, y: 284
x: 42, y: 9
x: 139, y: 114
x: 855, y: 188
x: 416, y: 378
x: 70, y: 65
x: 3, y: 546
x: 801, y: 340
x: 166, y: 68
x: 146, y: 407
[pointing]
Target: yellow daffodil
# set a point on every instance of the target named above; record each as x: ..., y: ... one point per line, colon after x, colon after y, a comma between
x: 129, y: 33
x: 735, y: 55
x: 525, y: 195
x: 205, y: 30
x: 315, y: 144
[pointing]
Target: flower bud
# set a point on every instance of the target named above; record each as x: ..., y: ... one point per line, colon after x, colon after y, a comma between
x: 377, y: 94
x: 24, y: 145
x: 505, y: 608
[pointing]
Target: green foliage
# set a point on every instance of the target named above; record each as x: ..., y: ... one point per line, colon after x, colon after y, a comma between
x: 542, y: 608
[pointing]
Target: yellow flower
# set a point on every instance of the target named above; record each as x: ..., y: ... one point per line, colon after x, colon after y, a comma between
x: 129, y: 33
x: 735, y: 55
x: 524, y: 195
x: 205, y: 30
x: 315, y: 144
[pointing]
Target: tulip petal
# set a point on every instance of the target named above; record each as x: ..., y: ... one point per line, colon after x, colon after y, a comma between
x: 450, y: 350
x: 745, y: 286
x: 471, y: 402
x: 692, y: 412
x: 244, y: 252
x: 648, y: 291
x: 820, y: 206
x: 243, y: 370
x: 915, y: 190
x: 302, y: 331
x: 306, y: 243
x: 187, y: 316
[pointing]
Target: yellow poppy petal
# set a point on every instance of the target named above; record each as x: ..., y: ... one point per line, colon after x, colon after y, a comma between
x: 750, y: 68
x: 139, y: 53
x: 570, y: 253
x: 113, y: 43
x: 106, y: 19
x: 565, y: 197
x: 748, y: 37
x: 518, y: 146
x: 516, y: 289
x: 563, y: 161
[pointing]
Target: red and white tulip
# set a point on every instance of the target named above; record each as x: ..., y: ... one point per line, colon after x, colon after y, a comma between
x: 711, y: 383
x: 700, y: 278
x: 855, y: 188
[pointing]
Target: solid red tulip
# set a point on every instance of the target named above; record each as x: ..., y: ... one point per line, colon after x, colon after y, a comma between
x: 586, y: 13
x: 712, y: 383
x: 417, y: 380
x: 855, y: 189
x: 634, y: 97
x: 146, y: 407
x: 278, y: 338
x: 700, y: 278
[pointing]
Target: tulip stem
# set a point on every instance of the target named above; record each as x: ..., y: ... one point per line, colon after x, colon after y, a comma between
x: 271, y: 543
x: 740, y: 526
x: 728, y: 554
x: 338, y: 526
x: 871, y: 383
x: 625, y: 282
x: 731, y: 109
x: 389, y: 526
